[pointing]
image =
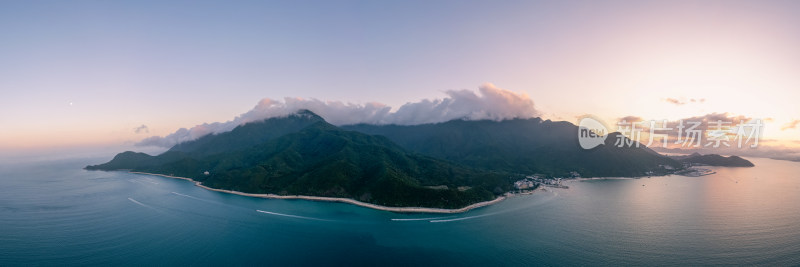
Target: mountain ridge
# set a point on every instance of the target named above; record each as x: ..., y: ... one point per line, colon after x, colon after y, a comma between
x: 465, y: 162
x: 320, y: 160
x: 522, y: 145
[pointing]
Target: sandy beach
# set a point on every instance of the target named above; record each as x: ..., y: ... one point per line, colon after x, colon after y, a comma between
x: 343, y: 200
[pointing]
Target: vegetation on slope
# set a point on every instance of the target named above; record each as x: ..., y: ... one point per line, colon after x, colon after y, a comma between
x: 322, y: 160
x: 521, y: 146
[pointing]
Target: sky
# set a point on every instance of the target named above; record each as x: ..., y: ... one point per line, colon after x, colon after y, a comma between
x: 109, y: 73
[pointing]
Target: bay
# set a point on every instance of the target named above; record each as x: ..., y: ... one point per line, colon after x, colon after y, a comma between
x: 54, y: 213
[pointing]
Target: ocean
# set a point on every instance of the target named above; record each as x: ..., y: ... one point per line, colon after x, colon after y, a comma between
x: 52, y: 212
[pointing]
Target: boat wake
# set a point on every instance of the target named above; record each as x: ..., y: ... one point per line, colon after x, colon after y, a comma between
x: 553, y: 195
x: 150, y: 180
x: 422, y: 219
x: 195, y: 198
x: 139, y: 203
x: 463, y: 218
x: 142, y: 181
x: 293, y: 216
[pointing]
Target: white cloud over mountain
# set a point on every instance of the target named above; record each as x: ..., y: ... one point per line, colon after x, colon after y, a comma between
x: 490, y: 103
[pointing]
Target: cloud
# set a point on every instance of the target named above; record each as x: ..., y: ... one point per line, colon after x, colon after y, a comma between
x: 674, y: 101
x: 489, y: 103
x: 711, y: 127
x: 493, y: 104
x: 141, y: 129
x: 707, y: 121
x: 631, y: 119
x: 683, y: 101
x: 790, y: 125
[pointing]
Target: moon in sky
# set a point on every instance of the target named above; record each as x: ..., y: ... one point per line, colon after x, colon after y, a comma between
x: 70, y: 104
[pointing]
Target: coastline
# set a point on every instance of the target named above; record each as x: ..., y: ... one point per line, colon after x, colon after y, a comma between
x: 336, y: 199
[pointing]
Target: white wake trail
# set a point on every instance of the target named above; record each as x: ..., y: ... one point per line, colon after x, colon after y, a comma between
x: 422, y: 219
x: 467, y: 218
x: 139, y: 203
x: 292, y: 216
x: 179, y: 194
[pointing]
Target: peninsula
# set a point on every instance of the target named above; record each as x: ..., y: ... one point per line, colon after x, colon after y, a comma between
x: 301, y: 156
x: 714, y: 160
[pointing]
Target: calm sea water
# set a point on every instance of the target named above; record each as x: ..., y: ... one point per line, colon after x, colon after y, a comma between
x: 54, y: 213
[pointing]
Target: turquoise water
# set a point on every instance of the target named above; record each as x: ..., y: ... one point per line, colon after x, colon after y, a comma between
x: 54, y: 213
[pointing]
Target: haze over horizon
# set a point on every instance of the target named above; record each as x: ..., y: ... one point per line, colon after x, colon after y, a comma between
x: 96, y: 74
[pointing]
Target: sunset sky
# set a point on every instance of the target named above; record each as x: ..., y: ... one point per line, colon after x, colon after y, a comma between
x: 92, y: 73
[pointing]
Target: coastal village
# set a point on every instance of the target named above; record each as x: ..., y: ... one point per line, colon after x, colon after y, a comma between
x: 533, y: 182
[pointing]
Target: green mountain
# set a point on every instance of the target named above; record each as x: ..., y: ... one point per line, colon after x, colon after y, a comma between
x: 443, y: 165
x: 522, y: 146
x: 303, y: 155
x: 244, y: 137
